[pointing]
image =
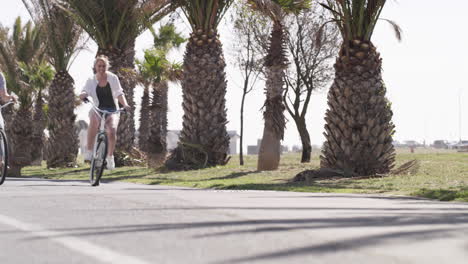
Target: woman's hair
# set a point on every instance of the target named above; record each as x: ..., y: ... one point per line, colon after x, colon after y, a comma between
x: 102, y: 58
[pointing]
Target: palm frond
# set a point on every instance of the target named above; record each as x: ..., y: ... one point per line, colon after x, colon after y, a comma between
x: 396, y: 28
x: 24, y: 47
x: 116, y: 23
x: 204, y: 15
x: 62, y: 34
x: 155, y: 67
x: 357, y: 18
x: 276, y: 10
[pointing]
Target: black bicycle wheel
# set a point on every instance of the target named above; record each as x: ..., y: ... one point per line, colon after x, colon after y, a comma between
x: 98, y: 161
x: 3, y: 156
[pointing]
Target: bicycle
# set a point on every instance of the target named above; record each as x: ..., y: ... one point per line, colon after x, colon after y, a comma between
x: 98, y: 160
x: 3, y: 149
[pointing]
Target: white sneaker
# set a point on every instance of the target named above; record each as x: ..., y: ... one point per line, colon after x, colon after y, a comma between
x: 88, y: 155
x: 110, y: 162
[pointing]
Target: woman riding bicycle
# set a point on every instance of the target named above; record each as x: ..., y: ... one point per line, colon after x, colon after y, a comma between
x: 105, y: 90
x: 4, y: 96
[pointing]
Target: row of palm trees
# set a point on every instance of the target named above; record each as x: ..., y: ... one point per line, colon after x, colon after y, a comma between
x: 358, y: 130
x: 23, y: 60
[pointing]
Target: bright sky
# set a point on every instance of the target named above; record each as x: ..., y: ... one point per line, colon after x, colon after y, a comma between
x: 425, y: 74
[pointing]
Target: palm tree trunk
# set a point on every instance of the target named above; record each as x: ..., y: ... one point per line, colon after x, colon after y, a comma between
x: 204, y: 140
x: 273, y: 131
x: 157, y: 145
x: 358, y: 126
x: 62, y: 147
x: 38, y: 136
x: 144, y: 120
x: 20, y: 134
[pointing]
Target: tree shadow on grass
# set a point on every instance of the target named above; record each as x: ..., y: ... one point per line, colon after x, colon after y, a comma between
x: 233, y: 175
x: 168, y: 180
x: 289, y: 186
x: 47, y: 173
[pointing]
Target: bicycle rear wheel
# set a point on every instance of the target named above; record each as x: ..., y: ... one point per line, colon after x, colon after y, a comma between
x: 98, y: 161
x: 3, y: 156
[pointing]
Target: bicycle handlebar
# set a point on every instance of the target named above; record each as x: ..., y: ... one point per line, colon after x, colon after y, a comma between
x: 7, y: 104
x: 121, y: 110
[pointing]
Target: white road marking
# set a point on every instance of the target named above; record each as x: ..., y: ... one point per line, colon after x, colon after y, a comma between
x: 81, y: 246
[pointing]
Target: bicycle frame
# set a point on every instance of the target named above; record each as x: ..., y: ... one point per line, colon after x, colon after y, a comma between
x: 95, y: 176
x: 102, y: 125
x: 7, y: 104
x: 4, y: 151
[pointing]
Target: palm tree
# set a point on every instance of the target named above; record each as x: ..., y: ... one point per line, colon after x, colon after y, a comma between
x: 204, y: 140
x: 276, y: 62
x: 25, y: 46
x: 39, y: 75
x: 359, y: 124
x: 63, y: 37
x: 158, y: 71
x: 114, y: 25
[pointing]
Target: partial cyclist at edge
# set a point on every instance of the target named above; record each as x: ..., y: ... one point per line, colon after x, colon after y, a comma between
x: 5, y: 99
x: 106, y: 92
x: 4, y: 96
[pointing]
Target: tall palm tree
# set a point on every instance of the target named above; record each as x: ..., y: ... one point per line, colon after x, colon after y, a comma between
x: 159, y: 71
x: 114, y: 25
x: 39, y: 75
x: 204, y: 140
x: 25, y: 46
x: 63, y: 37
x: 359, y: 124
x: 276, y: 62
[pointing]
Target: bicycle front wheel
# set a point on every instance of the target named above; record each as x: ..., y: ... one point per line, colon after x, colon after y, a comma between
x: 3, y: 156
x: 98, y: 161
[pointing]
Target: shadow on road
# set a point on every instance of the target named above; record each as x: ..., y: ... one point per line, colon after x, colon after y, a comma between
x: 262, y: 225
x: 347, y: 245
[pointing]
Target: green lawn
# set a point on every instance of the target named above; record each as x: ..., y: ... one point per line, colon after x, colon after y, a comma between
x: 442, y: 175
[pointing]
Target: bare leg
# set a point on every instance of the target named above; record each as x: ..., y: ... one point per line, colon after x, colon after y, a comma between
x: 92, y: 130
x: 111, y: 128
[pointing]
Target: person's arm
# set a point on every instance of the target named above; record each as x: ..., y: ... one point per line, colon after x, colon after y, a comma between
x: 83, y: 95
x: 117, y: 91
x: 123, y: 102
x: 85, y: 91
x: 3, y: 90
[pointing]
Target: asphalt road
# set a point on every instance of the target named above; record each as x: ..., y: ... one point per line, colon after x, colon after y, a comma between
x: 44, y: 221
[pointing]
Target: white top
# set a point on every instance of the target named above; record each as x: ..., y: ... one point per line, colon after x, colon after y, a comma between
x: 2, y: 82
x: 92, y: 83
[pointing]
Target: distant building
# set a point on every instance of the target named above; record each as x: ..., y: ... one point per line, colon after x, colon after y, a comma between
x: 412, y: 143
x: 173, y: 139
x: 252, y: 150
x: 440, y: 144
x: 296, y: 148
x: 82, y: 128
x: 233, y: 138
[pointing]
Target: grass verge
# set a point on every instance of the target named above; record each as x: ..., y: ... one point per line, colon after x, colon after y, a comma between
x: 442, y: 176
